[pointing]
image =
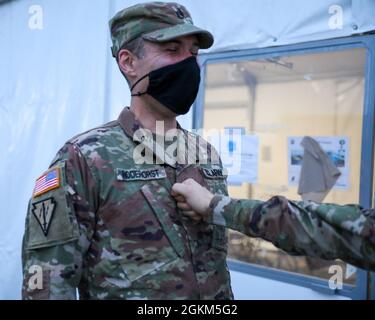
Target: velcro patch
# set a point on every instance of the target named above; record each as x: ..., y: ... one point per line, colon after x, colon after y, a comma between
x: 48, y: 181
x: 43, y: 213
x: 214, y: 173
x: 143, y: 175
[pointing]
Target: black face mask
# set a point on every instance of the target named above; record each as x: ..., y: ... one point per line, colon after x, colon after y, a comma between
x: 174, y: 86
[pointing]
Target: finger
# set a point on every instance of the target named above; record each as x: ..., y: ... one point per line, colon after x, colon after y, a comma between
x: 179, y: 189
x: 189, y: 213
x: 183, y: 206
x: 180, y: 199
x: 192, y: 215
x: 174, y: 193
x: 190, y: 182
x: 196, y: 218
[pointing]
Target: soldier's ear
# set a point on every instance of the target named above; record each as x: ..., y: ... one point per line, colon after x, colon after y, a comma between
x: 126, y: 62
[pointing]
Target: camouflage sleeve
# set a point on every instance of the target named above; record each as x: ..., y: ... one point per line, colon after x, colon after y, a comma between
x: 327, y: 231
x: 59, y: 225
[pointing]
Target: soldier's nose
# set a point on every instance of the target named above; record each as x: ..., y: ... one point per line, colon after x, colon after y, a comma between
x: 186, y: 54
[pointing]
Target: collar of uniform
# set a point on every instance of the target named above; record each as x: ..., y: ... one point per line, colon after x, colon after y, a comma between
x: 130, y: 125
x: 128, y: 122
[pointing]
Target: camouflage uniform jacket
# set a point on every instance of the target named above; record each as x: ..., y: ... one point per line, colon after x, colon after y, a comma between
x: 110, y: 227
x: 327, y: 231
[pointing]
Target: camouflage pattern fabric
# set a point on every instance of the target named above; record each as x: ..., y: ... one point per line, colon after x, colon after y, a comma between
x: 111, y: 228
x: 327, y: 231
x: 156, y: 22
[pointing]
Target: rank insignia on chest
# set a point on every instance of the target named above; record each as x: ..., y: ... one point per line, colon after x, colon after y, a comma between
x: 137, y: 174
x: 48, y: 181
x: 43, y: 213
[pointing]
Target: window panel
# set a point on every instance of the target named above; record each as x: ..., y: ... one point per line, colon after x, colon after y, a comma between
x: 317, y: 95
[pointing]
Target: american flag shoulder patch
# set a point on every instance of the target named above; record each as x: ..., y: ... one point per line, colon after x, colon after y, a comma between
x: 50, y: 180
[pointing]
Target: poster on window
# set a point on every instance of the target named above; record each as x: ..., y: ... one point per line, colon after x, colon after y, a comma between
x: 336, y: 148
x: 239, y: 154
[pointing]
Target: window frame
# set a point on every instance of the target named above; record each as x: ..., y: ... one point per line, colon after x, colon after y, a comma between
x: 365, y: 283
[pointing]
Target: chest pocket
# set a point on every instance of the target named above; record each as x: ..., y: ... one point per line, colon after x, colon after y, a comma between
x: 142, y: 231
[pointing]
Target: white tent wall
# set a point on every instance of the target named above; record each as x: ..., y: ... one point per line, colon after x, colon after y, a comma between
x: 57, y: 79
x: 52, y: 86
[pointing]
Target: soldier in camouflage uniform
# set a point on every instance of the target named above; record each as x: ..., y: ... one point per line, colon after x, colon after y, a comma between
x: 326, y: 231
x: 103, y: 223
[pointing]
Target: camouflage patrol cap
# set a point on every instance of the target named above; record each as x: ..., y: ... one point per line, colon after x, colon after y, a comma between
x: 156, y: 22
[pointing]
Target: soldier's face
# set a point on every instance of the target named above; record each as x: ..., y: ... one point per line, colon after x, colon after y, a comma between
x: 158, y: 55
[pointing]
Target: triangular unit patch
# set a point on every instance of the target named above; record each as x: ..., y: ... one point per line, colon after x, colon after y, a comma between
x: 43, y: 213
